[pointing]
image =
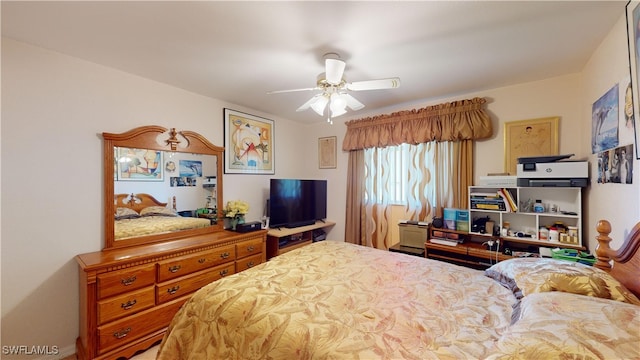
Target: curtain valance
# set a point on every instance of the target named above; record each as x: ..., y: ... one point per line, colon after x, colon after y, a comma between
x: 454, y: 121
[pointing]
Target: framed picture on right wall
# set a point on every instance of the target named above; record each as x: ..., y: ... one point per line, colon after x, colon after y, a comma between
x: 633, y: 37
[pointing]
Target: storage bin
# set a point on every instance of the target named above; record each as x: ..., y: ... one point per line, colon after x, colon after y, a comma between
x: 462, y: 225
x: 450, y: 218
x: 462, y: 215
x: 573, y: 255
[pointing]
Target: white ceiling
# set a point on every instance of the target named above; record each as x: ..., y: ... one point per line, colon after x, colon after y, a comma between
x: 238, y: 51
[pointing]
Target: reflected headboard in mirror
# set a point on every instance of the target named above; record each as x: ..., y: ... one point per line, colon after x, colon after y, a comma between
x: 160, y: 184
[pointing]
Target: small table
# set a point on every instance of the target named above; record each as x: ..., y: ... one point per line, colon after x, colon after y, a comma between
x: 407, y: 250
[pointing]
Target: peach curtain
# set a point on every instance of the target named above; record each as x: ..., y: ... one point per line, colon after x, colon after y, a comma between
x: 441, y: 166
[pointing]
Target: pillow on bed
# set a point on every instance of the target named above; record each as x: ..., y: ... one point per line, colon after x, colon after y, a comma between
x: 157, y: 211
x: 557, y: 325
x: 126, y: 213
x: 526, y: 276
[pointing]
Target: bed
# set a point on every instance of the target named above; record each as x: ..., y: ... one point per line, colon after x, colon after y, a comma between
x: 334, y: 300
x: 142, y: 214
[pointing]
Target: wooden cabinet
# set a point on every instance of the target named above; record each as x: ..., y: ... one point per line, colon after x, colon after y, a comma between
x: 471, y: 250
x: 129, y: 295
x: 281, y: 240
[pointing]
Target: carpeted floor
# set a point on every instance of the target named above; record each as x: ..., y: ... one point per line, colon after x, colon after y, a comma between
x: 147, y: 355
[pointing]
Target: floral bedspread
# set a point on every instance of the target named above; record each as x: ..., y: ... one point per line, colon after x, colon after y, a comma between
x: 147, y: 225
x: 334, y: 300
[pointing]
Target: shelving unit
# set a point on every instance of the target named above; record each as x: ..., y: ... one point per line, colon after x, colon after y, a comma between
x: 526, y: 222
x: 523, y: 225
x: 281, y: 240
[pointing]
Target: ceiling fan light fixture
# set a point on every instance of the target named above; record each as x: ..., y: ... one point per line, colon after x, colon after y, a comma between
x: 319, y: 104
x: 334, y: 89
x: 338, y: 105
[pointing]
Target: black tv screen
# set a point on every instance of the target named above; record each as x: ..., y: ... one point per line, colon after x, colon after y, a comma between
x: 296, y: 202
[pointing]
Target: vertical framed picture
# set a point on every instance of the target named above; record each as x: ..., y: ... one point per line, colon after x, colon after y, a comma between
x: 327, y: 152
x: 248, y: 144
x: 633, y: 37
x: 526, y: 138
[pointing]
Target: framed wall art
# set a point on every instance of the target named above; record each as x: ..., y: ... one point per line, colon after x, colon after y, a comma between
x: 327, y: 154
x: 633, y: 37
x: 526, y: 138
x: 139, y: 165
x: 248, y: 144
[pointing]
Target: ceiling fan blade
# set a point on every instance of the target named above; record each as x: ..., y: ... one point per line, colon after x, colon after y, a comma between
x: 390, y: 83
x: 334, y: 69
x: 292, y: 90
x: 352, y: 102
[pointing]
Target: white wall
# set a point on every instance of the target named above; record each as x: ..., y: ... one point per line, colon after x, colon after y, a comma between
x: 618, y: 203
x: 55, y: 107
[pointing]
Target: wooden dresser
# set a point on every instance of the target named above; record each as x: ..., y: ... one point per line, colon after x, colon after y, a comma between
x: 129, y: 295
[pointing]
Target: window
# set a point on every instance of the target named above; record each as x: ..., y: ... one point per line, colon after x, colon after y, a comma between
x: 405, y: 174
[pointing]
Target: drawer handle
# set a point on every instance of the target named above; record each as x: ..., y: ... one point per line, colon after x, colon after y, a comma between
x: 174, y: 269
x: 129, y: 304
x: 122, y: 333
x: 224, y: 272
x: 173, y: 290
x: 250, y: 248
x: 201, y: 261
x: 128, y: 281
x: 225, y: 255
x: 250, y: 264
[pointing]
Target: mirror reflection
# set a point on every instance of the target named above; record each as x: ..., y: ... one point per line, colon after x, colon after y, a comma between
x: 160, y: 185
x: 163, y: 191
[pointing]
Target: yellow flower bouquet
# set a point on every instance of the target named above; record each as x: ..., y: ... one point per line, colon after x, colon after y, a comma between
x: 236, y: 210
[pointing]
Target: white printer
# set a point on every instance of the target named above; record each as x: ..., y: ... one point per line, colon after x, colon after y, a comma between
x: 545, y: 171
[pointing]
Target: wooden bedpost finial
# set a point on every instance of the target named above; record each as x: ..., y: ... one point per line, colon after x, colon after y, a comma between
x: 603, y: 250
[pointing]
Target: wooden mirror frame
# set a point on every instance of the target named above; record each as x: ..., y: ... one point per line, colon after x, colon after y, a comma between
x: 146, y: 137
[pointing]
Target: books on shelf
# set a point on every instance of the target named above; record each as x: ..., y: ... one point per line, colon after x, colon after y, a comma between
x: 501, y: 200
x: 508, y: 199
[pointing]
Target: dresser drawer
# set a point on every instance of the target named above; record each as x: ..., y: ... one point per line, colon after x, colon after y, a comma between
x: 173, y: 268
x: 248, y: 262
x: 121, y: 332
x: 249, y: 247
x: 120, y: 281
x: 170, y: 290
x: 126, y: 304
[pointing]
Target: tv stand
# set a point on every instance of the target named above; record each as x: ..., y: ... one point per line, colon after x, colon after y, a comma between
x: 281, y: 240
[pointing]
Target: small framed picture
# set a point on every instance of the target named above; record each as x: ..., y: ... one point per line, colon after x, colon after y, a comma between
x: 327, y: 153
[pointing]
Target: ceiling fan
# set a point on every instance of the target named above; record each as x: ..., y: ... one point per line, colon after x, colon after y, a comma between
x: 334, y: 89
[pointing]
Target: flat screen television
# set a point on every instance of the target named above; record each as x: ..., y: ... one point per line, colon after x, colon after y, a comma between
x: 296, y: 202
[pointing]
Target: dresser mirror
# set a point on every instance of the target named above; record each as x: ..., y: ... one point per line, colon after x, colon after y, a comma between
x: 160, y: 184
